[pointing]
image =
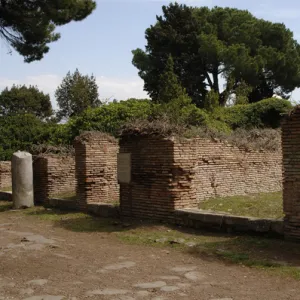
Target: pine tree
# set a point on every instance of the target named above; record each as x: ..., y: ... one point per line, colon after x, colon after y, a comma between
x: 29, y: 26
x: 75, y: 94
x: 169, y: 87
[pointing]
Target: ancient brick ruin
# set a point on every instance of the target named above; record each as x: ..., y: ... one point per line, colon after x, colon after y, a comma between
x: 96, y: 169
x: 150, y: 192
x: 172, y: 173
x: 291, y: 173
x: 53, y: 175
x: 169, y: 175
x: 5, y: 174
x: 225, y: 170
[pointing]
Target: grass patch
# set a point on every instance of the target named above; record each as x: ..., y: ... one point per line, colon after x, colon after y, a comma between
x: 48, y: 214
x: 74, y: 221
x: 5, y: 206
x: 274, y: 256
x: 66, y: 196
x: 6, y: 189
x: 265, y: 205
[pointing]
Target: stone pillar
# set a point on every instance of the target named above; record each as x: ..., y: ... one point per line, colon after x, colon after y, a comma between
x: 22, y: 180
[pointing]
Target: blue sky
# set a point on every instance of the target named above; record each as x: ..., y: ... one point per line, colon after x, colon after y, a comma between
x: 102, y: 45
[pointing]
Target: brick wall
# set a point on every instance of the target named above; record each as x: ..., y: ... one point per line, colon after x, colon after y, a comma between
x: 169, y: 174
x: 148, y: 195
x: 53, y: 175
x: 291, y: 173
x: 96, y: 169
x: 224, y: 170
x: 5, y: 174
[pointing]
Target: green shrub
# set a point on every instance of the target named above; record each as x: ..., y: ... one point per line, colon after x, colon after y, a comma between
x: 181, y: 111
x: 107, y: 118
x: 211, y: 101
x: 263, y: 114
x: 20, y: 132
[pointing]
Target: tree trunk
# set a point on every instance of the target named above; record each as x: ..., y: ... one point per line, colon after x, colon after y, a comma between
x: 216, y: 80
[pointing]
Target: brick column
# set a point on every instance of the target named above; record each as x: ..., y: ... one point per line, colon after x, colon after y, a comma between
x: 40, y: 179
x: 96, y: 169
x: 291, y: 174
x: 162, y: 172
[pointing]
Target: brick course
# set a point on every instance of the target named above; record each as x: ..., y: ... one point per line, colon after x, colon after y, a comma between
x: 5, y: 174
x: 148, y: 195
x: 171, y: 173
x: 96, y: 169
x: 53, y: 175
x: 291, y: 174
x: 225, y: 170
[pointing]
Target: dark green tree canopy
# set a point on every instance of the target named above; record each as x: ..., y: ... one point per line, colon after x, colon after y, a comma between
x: 25, y: 100
x: 29, y: 25
x: 207, y: 44
x: 76, y: 93
x: 169, y: 87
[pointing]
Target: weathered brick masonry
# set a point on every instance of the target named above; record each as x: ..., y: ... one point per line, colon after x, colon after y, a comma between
x: 224, y: 170
x: 53, y: 175
x: 170, y: 173
x: 96, y: 169
x: 5, y: 174
x: 149, y: 194
x: 291, y: 173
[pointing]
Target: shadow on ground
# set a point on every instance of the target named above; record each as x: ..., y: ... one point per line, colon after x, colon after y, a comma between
x: 5, y: 206
x: 276, y: 255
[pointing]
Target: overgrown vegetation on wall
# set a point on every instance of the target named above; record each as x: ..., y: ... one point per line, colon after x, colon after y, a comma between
x: 21, y: 132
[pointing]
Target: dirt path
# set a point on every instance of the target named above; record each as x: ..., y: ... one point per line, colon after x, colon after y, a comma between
x: 40, y: 261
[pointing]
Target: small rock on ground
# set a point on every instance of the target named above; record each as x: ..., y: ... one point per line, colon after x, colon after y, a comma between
x: 169, y: 288
x: 122, y: 265
x: 150, y: 285
x: 38, y: 281
x: 184, y: 269
x: 222, y: 299
x: 194, y: 276
x: 142, y: 294
x: 170, y: 277
x: 191, y: 244
x: 27, y: 292
x: 107, y: 292
x: 37, y: 239
x: 45, y: 297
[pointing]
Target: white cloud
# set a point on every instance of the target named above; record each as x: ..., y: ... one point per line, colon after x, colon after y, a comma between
x: 295, y: 97
x: 109, y: 87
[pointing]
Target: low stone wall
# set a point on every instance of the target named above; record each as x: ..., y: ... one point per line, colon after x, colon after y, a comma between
x: 96, y: 169
x: 191, y: 218
x: 220, y: 221
x: 5, y: 174
x: 53, y: 175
